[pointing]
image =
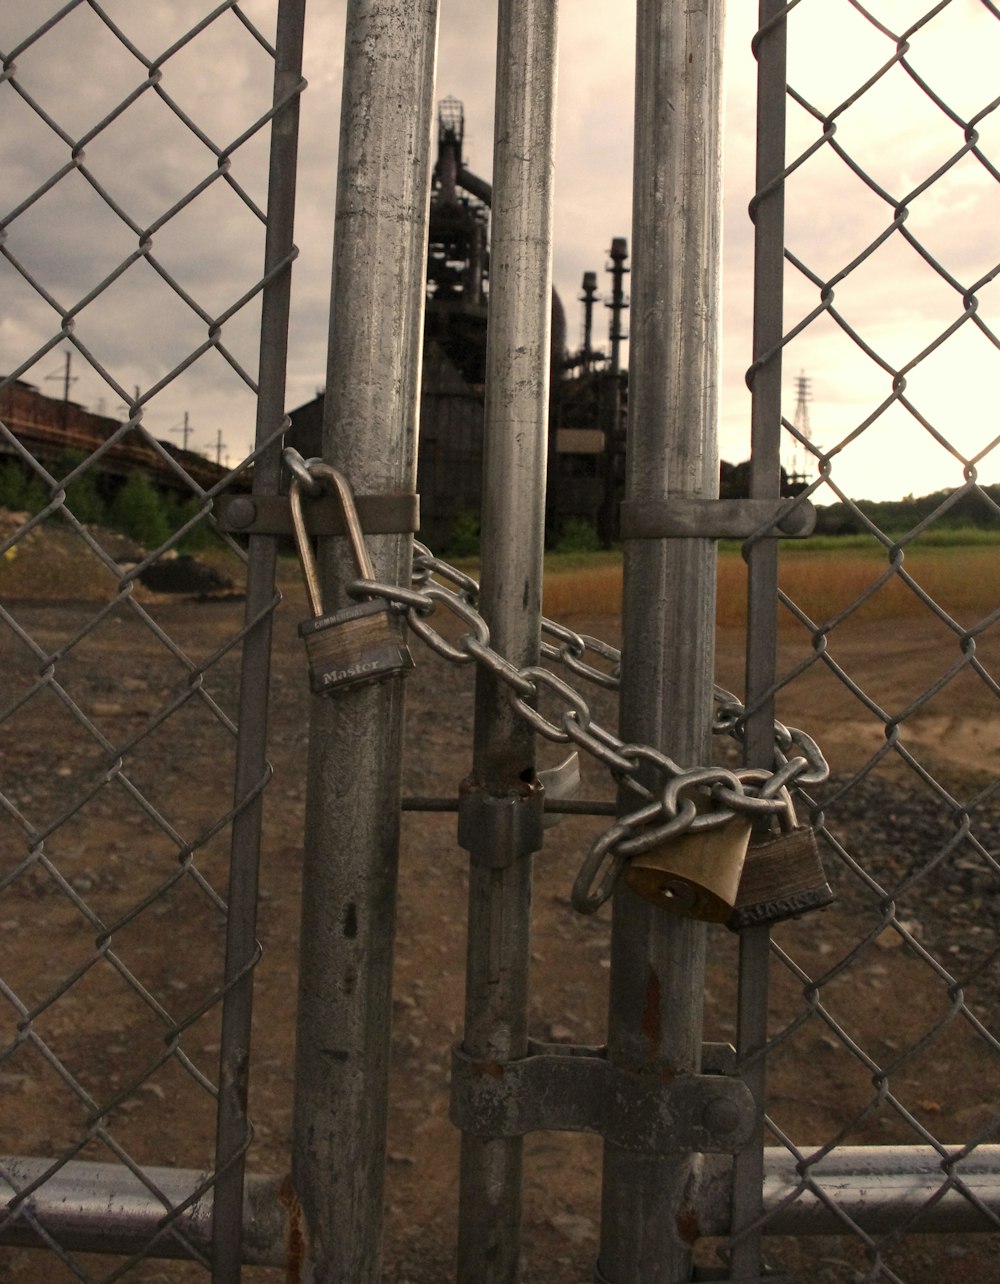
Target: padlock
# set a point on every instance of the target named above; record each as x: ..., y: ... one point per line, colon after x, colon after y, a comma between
x: 697, y: 874
x: 783, y: 876
x: 361, y: 643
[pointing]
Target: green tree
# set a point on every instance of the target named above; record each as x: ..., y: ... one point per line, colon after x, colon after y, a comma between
x: 83, y: 498
x: 21, y: 491
x: 139, y: 512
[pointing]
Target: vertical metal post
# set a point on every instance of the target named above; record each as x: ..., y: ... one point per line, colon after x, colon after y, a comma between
x: 657, y: 962
x: 251, y: 764
x: 765, y: 483
x: 353, y: 801
x: 496, y: 1010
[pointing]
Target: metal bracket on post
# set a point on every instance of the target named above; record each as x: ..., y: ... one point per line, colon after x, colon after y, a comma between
x: 497, y: 832
x: 564, y: 1088
x: 685, y: 517
x: 385, y: 514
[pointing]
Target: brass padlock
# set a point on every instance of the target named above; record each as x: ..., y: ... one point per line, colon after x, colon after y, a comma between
x: 361, y: 643
x: 783, y: 876
x: 696, y: 874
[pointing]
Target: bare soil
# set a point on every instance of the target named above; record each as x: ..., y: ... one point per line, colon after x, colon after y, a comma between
x: 112, y: 860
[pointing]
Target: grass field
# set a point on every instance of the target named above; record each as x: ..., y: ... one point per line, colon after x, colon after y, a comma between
x: 823, y: 576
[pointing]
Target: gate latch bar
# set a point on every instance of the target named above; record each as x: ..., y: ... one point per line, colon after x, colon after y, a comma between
x: 563, y: 1088
x: 684, y: 517
x: 397, y: 514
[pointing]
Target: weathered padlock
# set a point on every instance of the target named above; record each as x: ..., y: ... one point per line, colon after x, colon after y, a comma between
x: 696, y: 874
x: 783, y: 876
x: 361, y: 643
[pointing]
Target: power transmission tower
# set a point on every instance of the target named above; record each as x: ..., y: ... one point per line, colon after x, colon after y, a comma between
x: 801, y: 457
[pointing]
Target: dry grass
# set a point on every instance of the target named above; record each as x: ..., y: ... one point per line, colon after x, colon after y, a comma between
x: 594, y: 588
x: 822, y: 582
x: 823, y: 578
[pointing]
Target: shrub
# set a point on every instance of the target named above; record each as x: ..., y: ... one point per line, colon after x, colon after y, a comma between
x: 20, y: 490
x: 138, y: 512
x: 577, y: 536
x: 463, y: 539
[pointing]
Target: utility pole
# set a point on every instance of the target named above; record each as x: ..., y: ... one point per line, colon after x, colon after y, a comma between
x: 184, y: 429
x: 220, y: 445
x: 67, y: 379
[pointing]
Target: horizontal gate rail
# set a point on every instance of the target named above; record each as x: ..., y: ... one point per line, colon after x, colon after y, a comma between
x: 109, y: 1208
x: 91, y: 1207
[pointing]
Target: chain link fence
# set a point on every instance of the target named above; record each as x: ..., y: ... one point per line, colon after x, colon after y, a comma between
x: 134, y: 768
x: 887, y: 646
x: 131, y: 791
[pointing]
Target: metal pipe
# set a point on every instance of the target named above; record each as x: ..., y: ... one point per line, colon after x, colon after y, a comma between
x: 587, y: 299
x: 515, y: 438
x: 657, y: 961
x: 879, y: 1188
x: 232, y: 1132
x: 105, y: 1208
x: 354, y: 767
x: 619, y: 253
x: 611, y: 406
x: 768, y: 213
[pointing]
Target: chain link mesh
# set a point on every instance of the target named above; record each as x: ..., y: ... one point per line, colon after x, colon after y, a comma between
x: 893, y: 1003
x: 118, y: 808
x: 113, y: 1045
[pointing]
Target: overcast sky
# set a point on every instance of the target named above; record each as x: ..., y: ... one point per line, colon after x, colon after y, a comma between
x: 69, y: 240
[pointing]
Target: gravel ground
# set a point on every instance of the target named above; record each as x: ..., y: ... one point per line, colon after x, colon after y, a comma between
x: 880, y: 1006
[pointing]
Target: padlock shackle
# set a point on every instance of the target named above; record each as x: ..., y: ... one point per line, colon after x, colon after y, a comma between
x: 326, y: 472
x: 319, y: 471
x: 306, y: 559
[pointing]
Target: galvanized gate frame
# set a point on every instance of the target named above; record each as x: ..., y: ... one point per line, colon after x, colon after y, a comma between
x: 652, y: 1195
x: 656, y: 979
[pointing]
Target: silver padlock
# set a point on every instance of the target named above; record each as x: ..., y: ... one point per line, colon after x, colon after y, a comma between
x: 362, y: 643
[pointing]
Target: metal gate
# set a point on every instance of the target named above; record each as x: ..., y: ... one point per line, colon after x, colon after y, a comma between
x: 132, y: 803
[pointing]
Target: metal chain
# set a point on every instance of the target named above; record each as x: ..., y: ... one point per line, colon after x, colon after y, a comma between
x: 672, y: 799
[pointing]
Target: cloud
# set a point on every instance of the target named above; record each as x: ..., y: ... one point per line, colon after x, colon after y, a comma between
x: 147, y: 159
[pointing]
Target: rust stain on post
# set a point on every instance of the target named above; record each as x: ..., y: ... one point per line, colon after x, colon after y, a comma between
x: 495, y: 1069
x: 295, y: 1253
x: 687, y: 1225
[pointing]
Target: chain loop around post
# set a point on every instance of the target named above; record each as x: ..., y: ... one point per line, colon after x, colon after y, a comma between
x: 665, y: 790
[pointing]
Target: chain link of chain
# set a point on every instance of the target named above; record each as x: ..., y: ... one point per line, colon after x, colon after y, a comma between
x: 671, y: 799
x: 679, y: 799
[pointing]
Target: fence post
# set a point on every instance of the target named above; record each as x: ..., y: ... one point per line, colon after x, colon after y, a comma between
x: 353, y: 801
x: 657, y: 961
x: 502, y: 778
x: 251, y: 768
x: 768, y: 212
